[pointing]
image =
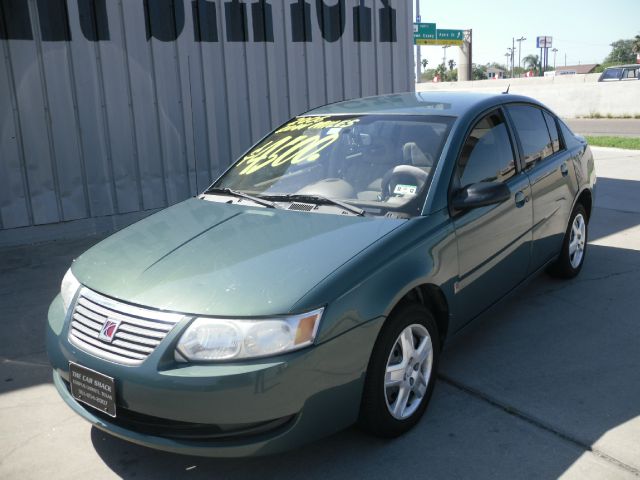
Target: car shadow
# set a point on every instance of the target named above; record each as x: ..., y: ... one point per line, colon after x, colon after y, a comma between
x: 525, y: 392
x: 459, y: 437
x: 618, y: 206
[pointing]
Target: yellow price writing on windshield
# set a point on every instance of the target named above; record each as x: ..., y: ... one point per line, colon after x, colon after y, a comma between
x: 287, y: 149
x: 296, y: 147
x: 316, y: 123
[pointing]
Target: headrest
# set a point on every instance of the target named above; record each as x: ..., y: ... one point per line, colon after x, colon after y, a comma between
x: 412, y: 155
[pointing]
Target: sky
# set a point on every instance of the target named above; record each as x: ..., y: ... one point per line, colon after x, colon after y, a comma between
x: 581, y: 29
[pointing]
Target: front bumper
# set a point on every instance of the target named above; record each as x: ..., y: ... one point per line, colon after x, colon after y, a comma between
x: 261, y: 407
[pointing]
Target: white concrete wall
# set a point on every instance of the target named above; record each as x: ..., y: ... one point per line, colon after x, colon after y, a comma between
x: 569, y: 96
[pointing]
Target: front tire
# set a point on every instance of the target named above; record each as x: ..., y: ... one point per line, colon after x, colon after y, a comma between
x: 574, y: 246
x: 401, y: 372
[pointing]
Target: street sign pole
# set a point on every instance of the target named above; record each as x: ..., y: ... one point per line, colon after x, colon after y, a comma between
x: 470, y: 54
x: 418, y: 59
x: 544, y: 44
x: 541, y: 49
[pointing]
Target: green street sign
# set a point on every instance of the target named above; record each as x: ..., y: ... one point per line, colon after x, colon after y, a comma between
x: 446, y: 34
x: 427, y: 34
x: 424, y: 31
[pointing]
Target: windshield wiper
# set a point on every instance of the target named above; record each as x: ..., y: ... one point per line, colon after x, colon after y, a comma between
x: 239, y: 194
x: 318, y: 199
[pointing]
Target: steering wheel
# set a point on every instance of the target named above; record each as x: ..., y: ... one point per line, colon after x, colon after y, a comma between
x: 403, y: 180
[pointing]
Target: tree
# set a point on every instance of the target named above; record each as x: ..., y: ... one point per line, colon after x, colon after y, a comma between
x: 428, y: 75
x: 478, y: 72
x: 531, y: 62
x: 622, y: 52
x: 424, y: 62
x: 636, y: 45
x: 451, y: 64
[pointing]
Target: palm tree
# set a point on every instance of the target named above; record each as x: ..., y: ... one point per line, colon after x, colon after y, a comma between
x: 451, y: 64
x: 531, y: 62
x: 424, y: 62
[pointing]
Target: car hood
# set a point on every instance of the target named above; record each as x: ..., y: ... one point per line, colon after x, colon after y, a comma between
x: 217, y: 259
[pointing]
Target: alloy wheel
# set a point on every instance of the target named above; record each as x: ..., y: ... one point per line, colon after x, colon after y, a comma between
x: 577, y: 240
x: 408, y: 371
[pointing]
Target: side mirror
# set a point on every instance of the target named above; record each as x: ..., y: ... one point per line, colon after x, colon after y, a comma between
x: 480, y: 194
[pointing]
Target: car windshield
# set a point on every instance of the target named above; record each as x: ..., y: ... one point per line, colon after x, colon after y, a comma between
x: 379, y: 163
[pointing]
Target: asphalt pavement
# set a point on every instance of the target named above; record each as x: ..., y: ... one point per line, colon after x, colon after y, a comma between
x: 546, y: 385
x: 617, y: 127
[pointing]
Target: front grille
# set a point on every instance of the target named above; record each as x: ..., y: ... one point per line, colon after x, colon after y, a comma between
x: 140, y: 331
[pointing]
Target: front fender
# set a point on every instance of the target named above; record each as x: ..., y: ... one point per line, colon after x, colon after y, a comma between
x: 423, y: 251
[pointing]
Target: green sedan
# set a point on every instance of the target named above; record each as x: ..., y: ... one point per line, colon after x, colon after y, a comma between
x: 313, y: 284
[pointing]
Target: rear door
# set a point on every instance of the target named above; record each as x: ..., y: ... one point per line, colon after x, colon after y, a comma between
x: 493, y: 241
x: 551, y: 174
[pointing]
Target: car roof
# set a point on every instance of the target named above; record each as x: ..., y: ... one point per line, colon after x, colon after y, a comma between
x: 420, y: 103
x: 630, y: 65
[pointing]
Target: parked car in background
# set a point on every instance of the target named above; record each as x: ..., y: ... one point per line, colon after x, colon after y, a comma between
x: 313, y: 284
x: 621, y: 72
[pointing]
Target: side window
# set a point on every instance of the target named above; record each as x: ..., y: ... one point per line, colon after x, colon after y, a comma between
x: 568, y: 136
x: 553, y: 131
x: 532, y: 131
x: 487, y: 154
x: 611, y: 74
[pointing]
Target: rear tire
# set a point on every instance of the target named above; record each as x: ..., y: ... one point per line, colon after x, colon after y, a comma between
x: 401, y: 373
x: 574, y: 246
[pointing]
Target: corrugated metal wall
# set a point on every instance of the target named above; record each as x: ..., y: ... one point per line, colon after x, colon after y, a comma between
x: 115, y: 106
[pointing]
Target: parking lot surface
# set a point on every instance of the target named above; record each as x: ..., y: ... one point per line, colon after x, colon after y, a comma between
x: 545, y: 385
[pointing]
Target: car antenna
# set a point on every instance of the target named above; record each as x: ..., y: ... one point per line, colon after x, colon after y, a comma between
x: 507, y: 90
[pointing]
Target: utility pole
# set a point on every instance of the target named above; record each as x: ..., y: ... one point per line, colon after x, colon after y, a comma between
x: 554, y: 50
x: 520, y: 40
x: 418, y: 60
x: 444, y: 56
x: 470, y: 54
x: 513, y: 48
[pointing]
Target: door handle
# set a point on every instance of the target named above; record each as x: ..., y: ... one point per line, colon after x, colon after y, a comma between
x: 521, y: 199
x: 564, y: 169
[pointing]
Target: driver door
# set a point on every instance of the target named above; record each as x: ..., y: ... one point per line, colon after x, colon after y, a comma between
x: 494, y: 241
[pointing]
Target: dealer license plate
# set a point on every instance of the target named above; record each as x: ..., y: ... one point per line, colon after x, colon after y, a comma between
x: 93, y: 388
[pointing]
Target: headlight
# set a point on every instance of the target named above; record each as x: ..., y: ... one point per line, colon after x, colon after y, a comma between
x: 210, y: 339
x: 68, y: 289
